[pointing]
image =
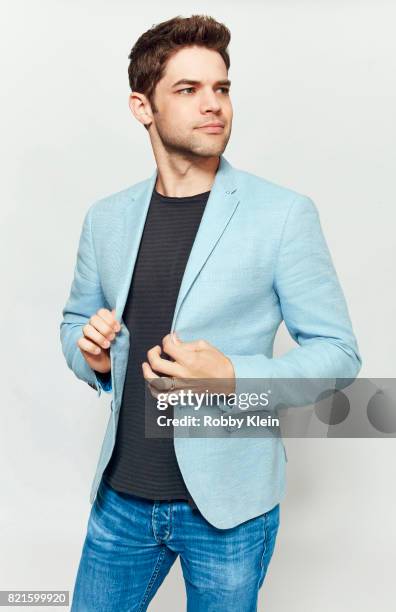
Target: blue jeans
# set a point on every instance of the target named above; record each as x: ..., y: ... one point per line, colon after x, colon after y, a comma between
x: 132, y: 543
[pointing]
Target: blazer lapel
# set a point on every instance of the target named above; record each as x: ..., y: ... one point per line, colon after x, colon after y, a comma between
x: 134, y: 217
x: 219, y: 209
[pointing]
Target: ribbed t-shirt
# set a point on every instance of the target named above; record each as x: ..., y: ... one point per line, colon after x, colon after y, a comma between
x: 144, y: 466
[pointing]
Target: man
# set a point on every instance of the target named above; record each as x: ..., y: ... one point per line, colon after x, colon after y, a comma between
x: 223, y: 256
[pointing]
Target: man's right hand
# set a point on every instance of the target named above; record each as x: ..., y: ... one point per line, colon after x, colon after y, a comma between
x: 97, y: 336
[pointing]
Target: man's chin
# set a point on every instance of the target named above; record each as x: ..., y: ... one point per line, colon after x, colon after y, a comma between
x: 197, y: 149
x: 209, y: 151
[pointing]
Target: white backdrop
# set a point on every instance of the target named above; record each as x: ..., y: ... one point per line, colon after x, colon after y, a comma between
x: 314, y: 97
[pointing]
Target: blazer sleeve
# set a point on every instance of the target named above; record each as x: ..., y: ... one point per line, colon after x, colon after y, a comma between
x: 85, y: 298
x: 313, y: 307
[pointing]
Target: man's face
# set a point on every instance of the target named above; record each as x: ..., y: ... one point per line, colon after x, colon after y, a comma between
x: 183, y: 107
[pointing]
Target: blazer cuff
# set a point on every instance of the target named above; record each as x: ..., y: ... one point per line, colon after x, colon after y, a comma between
x: 93, y: 378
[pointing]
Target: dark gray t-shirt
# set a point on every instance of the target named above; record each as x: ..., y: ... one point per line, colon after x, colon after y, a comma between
x: 142, y: 466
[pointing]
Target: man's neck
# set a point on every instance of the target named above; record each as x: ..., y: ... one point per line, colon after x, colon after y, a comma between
x: 183, y: 178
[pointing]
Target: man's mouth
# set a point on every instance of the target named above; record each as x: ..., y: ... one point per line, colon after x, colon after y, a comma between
x: 212, y: 129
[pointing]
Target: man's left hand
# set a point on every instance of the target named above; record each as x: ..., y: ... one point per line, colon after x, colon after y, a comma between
x: 191, y: 360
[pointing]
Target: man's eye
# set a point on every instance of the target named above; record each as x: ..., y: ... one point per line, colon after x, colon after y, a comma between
x: 225, y: 89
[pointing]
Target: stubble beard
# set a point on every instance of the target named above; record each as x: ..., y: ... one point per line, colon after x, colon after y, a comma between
x: 196, y: 145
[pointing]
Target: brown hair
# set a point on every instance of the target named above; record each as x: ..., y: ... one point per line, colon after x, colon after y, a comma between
x: 153, y: 49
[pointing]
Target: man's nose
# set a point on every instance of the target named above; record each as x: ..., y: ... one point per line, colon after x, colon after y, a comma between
x: 210, y: 103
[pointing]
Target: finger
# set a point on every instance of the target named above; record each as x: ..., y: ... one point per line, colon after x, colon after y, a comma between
x: 176, y: 348
x: 156, y: 384
x: 86, y: 345
x: 173, y: 348
x: 109, y: 317
x: 196, y: 345
x: 148, y: 372
x: 179, y: 351
x: 163, y: 383
x: 160, y: 383
x: 117, y: 324
x: 164, y: 366
x: 92, y: 334
x: 155, y: 393
x: 106, y: 329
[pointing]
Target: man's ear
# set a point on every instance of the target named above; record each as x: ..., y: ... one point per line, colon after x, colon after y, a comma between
x: 140, y: 108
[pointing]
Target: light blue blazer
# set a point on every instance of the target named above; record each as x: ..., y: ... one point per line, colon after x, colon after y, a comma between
x: 259, y: 257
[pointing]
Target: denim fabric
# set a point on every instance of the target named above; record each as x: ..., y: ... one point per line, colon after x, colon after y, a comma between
x: 131, y: 544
